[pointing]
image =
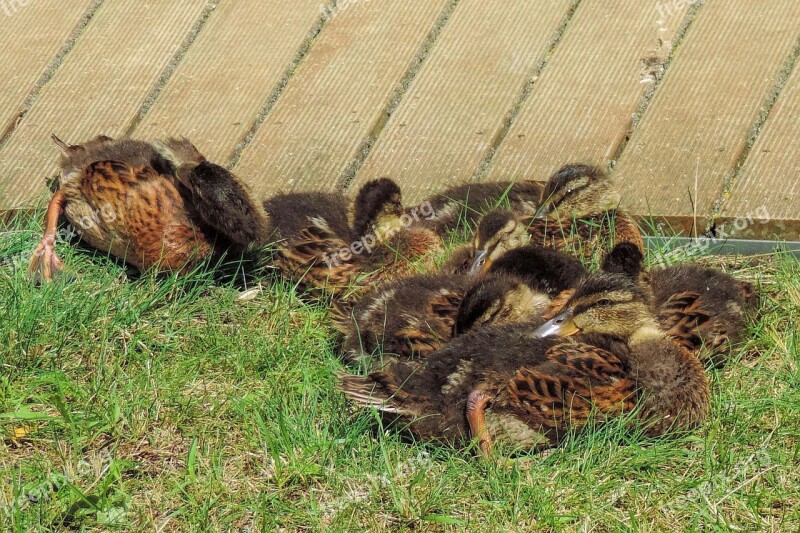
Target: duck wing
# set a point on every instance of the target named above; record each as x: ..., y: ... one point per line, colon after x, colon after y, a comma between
x: 313, y: 257
x: 688, y: 320
x: 574, y: 382
x: 139, y: 215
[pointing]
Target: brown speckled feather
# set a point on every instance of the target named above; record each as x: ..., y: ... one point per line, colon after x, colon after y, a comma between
x: 310, y: 259
x: 683, y: 318
x: 148, y: 212
x: 409, y: 318
x: 580, y: 380
x: 586, y: 236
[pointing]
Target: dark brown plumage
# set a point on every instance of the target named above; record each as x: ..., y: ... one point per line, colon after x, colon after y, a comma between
x: 549, y: 276
x: 218, y: 197
x: 379, y: 202
x: 580, y: 213
x: 123, y: 196
x: 704, y: 309
x: 499, y: 298
x: 318, y: 247
x: 406, y: 319
x: 461, y: 206
x: 509, y: 384
x: 543, y: 269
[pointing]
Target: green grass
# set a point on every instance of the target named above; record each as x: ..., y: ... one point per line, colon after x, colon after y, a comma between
x: 167, y: 404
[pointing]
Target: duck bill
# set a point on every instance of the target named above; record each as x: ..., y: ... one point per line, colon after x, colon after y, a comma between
x: 480, y: 264
x: 543, y: 210
x: 561, y: 325
x: 182, y: 175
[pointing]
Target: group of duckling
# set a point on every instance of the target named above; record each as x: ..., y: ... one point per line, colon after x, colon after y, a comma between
x: 510, y: 340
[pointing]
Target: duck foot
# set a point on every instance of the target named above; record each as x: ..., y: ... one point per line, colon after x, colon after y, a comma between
x: 45, y: 262
x: 476, y: 417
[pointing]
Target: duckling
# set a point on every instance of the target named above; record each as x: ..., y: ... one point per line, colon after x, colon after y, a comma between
x: 125, y: 199
x: 499, y: 298
x: 463, y: 205
x: 579, y: 213
x: 521, y: 386
x: 498, y: 231
x: 219, y: 199
x: 552, y: 276
x: 321, y: 243
x: 543, y: 269
x: 458, y: 261
x: 407, y: 319
x: 703, y: 309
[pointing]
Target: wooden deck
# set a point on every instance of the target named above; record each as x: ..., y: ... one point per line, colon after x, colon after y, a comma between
x: 696, y: 109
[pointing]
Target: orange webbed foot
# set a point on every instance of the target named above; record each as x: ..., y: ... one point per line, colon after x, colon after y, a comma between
x: 45, y: 263
x: 477, y: 401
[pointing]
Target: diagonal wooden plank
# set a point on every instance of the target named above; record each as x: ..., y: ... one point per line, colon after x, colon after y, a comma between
x: 338, y: 94
x: 31, y: 36
x: 98, y: 89
x: 678, y: 159
x: 764, y: 202
x: 459, y: 100
x: 582, y: 105
x: 229, y: 72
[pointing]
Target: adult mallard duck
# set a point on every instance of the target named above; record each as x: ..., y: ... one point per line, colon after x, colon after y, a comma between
x: 517, y: 385
x: 704, y: 309
x: 322, y: 243
x: 127, y: 198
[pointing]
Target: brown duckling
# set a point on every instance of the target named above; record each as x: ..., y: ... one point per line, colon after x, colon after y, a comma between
x: 499, y: 298
x: 498, y: 231
x: 407, y: 319
x: 704, y: 309
x: 550, y: 277
x: 124, y: 198
x: 516, y: 385
x: 543, y: 269
x: 319, y: 246
x: 579, y: 213
x: 463, y: 205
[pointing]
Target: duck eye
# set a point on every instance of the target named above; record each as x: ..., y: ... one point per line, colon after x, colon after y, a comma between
x: 603, y: 301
